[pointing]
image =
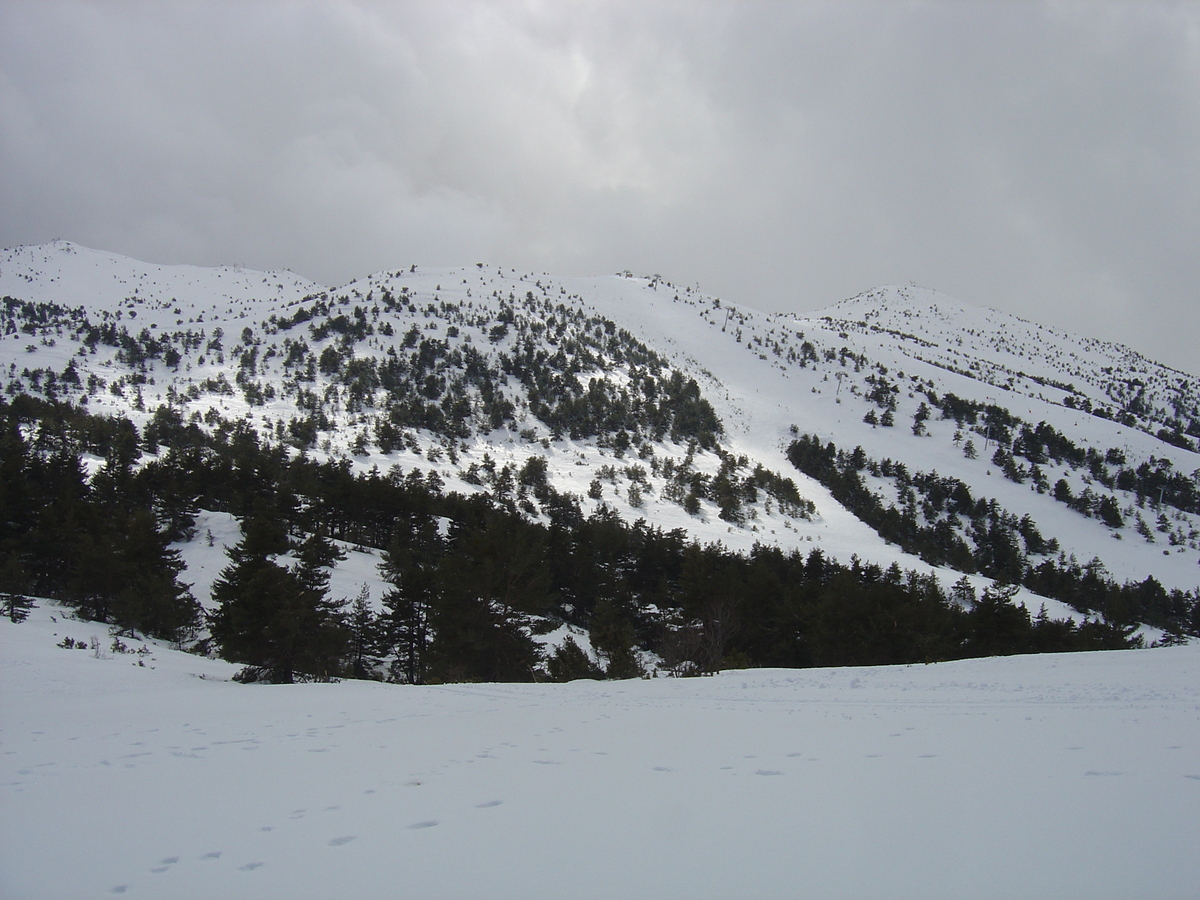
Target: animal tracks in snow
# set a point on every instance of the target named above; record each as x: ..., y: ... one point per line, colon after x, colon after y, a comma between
x: 294, y: 831
x: 420, y: 775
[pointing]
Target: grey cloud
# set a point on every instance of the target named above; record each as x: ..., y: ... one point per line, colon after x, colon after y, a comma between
x: 1036, y: 157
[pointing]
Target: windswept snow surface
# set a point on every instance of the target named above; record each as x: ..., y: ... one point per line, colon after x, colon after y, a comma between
x: 1050, y: 776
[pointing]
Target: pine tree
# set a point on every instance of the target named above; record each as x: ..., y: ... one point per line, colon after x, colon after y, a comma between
x: 996, y: 625
x: 568, y: 662
x: 613, y: 635
x: 278, y: 621
x: 14, y: 581
x: 362, y: 625
x: 919, y: 419
x: 493, y: 578
x: 962, y: 592
x: 149, y: 596
x: 410, y: 565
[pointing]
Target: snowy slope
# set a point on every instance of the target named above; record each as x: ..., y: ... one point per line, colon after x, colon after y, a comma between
x: 993, y: 357
x: 1007, y: 351
x: 128, y: 768
x: 768, y: 377
x: 1054, y: 776
x: 68, y: 274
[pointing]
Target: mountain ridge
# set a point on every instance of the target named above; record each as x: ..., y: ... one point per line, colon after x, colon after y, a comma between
x: 385, y: 370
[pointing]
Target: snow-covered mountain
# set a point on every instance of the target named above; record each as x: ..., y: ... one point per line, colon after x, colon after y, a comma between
x: 646, y: 398
x: 900, y: 433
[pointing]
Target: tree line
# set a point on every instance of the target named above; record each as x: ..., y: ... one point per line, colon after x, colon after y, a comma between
x: 939, y: 520
x: 473, y: 580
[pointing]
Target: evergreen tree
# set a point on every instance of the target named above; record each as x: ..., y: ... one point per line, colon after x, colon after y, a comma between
x: 315, y: 555
x: 613, y: 635
x: 962, y: 592
x: 919, y: 419
x: 487, y: 585
x: 278, y: 621
x: 996, y: 625
x: 363, y: 630
x: 568, y: 662
x: 149, y: 597
x: 711, y: 593
x: 410, y: 565
x: 14, y: 581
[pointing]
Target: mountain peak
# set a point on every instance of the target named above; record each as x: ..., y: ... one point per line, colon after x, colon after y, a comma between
x: 891, y: 304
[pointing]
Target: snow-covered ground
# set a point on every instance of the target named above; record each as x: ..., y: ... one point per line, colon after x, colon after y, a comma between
x: 154, y: 776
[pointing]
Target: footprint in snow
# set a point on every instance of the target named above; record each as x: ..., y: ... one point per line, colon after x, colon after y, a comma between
x: 429, y: 823
x: 492, y: 803
x: 250, y: 867
x: 767, y: 772
x: 342, y: 841
x: 214, y: 854
x: 119, y: 889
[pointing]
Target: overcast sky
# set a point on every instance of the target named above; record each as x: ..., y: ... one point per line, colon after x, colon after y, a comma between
x: 1041, y: 158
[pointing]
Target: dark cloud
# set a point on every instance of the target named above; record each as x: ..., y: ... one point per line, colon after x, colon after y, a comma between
x: 1037, y: 157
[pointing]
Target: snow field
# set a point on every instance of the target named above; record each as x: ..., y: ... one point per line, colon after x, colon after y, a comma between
x: 1050, y: 776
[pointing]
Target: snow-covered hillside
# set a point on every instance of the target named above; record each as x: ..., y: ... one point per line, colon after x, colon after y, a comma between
x: 466, y: 371
x: 146, y: 773
x: 667, y: 479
